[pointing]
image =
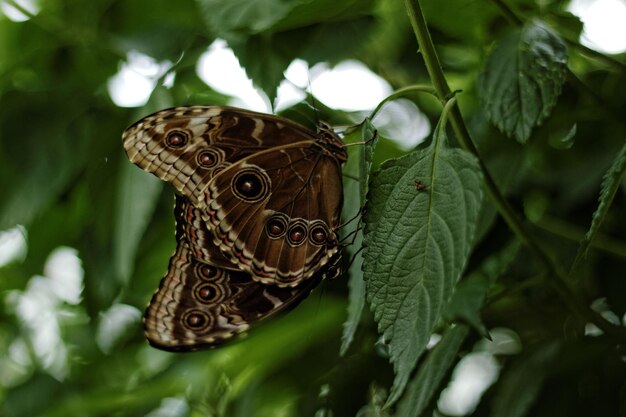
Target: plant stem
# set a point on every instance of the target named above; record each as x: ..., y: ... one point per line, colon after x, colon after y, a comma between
x: 418, y: 88
x: 576, y: 234
x: 556, y: 276
x: 510, y: 15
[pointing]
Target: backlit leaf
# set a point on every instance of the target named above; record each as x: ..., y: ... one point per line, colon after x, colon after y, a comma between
x: 429, y: 376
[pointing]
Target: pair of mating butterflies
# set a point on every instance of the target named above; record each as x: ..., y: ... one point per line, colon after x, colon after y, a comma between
x: 256, y: 219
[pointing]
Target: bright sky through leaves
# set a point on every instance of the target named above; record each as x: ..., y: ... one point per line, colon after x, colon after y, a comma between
x: 605, y: 24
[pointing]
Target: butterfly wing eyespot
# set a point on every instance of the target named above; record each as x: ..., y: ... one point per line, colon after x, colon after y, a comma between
x: 297, y: 232
x: 177, y: 139
x: 319, y: 233
x: 276, y: 226
x: 207, y: 272
x: 209, y: 158
x: 196, y: 319
x: 208, y: 293
x: 251, y: 184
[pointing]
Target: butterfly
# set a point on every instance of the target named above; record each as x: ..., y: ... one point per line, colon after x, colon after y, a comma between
x: 269, y: 189
x: 200, y: 303
x: 260, y: 207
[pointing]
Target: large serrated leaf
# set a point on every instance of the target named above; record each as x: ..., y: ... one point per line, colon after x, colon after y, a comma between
x: 355, y: 188
x: 419, y: 226
x: 610, y: 183
x: 424, y: 385
x: 522, y: 79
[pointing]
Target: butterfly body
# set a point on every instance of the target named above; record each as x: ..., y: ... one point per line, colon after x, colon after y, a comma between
x: 260, y: 206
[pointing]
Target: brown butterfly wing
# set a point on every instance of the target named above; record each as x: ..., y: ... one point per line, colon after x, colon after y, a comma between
x: 200, y: 305
x: 192, y: 146
x: 187, y: 146
x: 191, y: 228
x: 276, y: 212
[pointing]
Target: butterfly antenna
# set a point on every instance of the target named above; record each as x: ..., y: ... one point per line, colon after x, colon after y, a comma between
x: 353, y: 258
x: 374, y: 136
x: 321, y: 293
x: 351, y: 235
x: 356, y: 216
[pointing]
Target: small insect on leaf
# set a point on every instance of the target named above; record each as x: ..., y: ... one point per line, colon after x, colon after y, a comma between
x: 420, y: 186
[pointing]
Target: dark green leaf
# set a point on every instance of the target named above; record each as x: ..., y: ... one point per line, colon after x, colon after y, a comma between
x: 355, y: 187
x: 610, y: 184
x: 416, y: 244
x: 470, y: 18
x: 570, y: 26
x: 137, y: 197
x: 469, y: 295
x: 521, y: 384
x: 429, y: 376
x: 38, y: 171
x: 239, y: 17
x: 522, y: 79
x: 375, y: 404
x: 243, y: 15
x: 564, y: 139
x: 369, y: 135
x: 265, y: 59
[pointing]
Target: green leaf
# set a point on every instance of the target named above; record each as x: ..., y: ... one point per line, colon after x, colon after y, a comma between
x: 36, y: 168
x: 265, y: 58
x: 355, y: 187
x: 375, y: 404
x: 570, y: 26
x: 519, y: 387
x: 416, y: 244
x: 471, y: 18
x: 137, y: 198
x: 356, y: 300
x: 369, y: 135
x: 610, y: 184
x: 267, y: 35
x: 522, y: 79
x: 244, y: 17
x: 469, y: 295
x: 429, y: 376
x: 237, y: 15
x: 564, y: 140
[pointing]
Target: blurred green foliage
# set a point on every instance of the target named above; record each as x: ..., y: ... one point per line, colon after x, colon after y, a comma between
x: 64, y: 177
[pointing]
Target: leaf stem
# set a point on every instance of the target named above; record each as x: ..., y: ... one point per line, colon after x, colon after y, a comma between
x: 556, y: 276
x: 21, y: 9
x: 575, y: 233
x: 418, y: 88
